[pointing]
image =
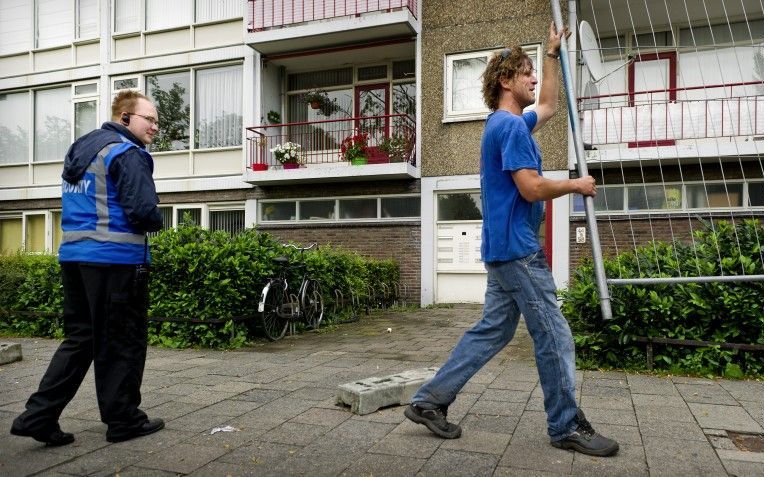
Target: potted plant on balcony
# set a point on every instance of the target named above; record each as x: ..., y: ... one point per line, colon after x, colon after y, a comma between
x: 289, y: 154
x: 315, y: 98
x: 258, y: 145
x: 397, y: 147
x: 355, y: 149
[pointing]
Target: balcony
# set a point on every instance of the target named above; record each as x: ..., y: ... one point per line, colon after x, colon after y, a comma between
x: 389, y: 144
x: 281, y: 26
x: 699, y: 121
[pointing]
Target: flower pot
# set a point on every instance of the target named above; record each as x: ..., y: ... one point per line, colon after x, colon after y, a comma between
x: 359, y: 161
x: 259, y: 166
x: 291, y: 165
x: 315, y: 104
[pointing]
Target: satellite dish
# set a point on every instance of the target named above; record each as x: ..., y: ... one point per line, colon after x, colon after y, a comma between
x: 590, y: 50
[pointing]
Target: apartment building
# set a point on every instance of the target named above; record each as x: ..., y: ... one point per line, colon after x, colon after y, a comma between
x: 238, y: 81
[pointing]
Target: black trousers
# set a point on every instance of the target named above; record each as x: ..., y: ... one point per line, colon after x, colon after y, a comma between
x: 105, y: 309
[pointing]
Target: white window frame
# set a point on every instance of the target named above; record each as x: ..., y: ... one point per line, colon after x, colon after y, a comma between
x: 204, y: 214
x: 81, y: 39
x: 143, y: 12
x: 191, y: 71
x: 378, y: 219
x: 48, y: 240
x: 477, y: 114
x: 683, y: 209
x: 85, y: 98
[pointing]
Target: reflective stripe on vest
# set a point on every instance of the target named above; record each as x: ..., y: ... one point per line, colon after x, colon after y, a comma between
x: 102, y: 232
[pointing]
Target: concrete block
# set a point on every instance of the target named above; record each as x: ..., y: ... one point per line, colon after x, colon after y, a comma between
x: 368, y: 395
x: 9, y: 352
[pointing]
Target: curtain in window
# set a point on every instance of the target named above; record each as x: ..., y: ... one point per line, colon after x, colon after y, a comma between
x: 218, y: 107
x: 231, y: 221
x: 15, y: 26
x: 210, y: 10
x: 87, y: 18
x: 466, y: 84
x: 14, y: 128
x: 53, y: 127
x: 10, y: 236
x: 127, y: 17
x: 55, y: 23
x: 167, y: 13
x: 34, y: 239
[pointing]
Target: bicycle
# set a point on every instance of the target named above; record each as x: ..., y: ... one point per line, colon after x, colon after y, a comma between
x: 280, y: 309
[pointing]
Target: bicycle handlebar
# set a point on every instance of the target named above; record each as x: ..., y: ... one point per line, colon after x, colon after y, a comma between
x: 301, y: 249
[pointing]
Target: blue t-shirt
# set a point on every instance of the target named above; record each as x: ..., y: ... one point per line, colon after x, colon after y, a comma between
x: 510, y: 223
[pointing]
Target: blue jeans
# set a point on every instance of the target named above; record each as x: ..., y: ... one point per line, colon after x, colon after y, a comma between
x: 519, y: 286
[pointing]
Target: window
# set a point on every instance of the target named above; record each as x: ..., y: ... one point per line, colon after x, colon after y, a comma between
x: 127, y: 17
x: 460, y: 206
x: 655, y: 197
x: 463, y: 96
x: 701, y: 196
x: 14, y: 128
x: 85, y: 109
x: 400, y: 207
x: 756, y: 194
x: 188, y: 216
x: 358, y: 208
x: 654, y: 40
x: 608, y: 199
x: 125, y: 83
x: 87, y: 19
x: 168, y: 13
x: 15, y: 26
x: 52, y: 124
x: 55, y: 23
x: 742, y: 32
x: 34, y: 233
x: 231, y: 221
x: 341, y: 209
x: 55, y: 217
x: 10, y: 235
x: 210, y: 10
x: 316, y: 210
x: 218, y: 116
x: 170, y: 94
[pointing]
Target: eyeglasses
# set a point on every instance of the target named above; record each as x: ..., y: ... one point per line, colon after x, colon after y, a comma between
x: 505, y: 53
x: 152, y: 120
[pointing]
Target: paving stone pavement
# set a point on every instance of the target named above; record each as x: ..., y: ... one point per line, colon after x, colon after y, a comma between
x: 280, y: 398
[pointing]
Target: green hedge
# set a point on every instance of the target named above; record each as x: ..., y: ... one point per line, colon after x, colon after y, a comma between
x: 717, y: 312
x: 196, y: 274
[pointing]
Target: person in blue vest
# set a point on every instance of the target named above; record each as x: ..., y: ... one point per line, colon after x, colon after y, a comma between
x: 109, y: 203
x: 513, y: 191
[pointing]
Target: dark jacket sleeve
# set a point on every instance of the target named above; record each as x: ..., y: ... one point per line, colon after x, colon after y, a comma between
x: 131, y: 172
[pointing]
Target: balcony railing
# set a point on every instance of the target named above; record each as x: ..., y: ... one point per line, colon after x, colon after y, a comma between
x: 266, y: 14
x: 661, y: 117
x: 388, y: 138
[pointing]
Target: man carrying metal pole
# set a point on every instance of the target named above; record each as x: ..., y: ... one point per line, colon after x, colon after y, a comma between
x: 519, y: 280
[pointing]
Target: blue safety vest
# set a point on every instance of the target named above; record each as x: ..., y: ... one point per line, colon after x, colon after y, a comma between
x: 95, y: 226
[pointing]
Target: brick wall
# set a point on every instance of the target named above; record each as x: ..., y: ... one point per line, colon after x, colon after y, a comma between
x: 397, y: 241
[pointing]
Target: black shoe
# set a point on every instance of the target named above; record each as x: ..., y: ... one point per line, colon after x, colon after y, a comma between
x: 435, y: 420
x: 53, y: 437
x: 586, y: 440
x: 149, y: 427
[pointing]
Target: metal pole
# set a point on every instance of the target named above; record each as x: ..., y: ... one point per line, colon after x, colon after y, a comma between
x: 599, y: 268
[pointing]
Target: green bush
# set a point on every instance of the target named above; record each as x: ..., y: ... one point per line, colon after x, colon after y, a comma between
x: 196, y: 274
x: 720, y: 312
x: 30, y: 283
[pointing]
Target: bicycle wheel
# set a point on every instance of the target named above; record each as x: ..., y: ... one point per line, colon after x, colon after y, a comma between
x: 274, y: 296
x: 312, y: 304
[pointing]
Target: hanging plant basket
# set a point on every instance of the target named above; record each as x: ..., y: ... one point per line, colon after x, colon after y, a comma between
x: 315, y: 104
